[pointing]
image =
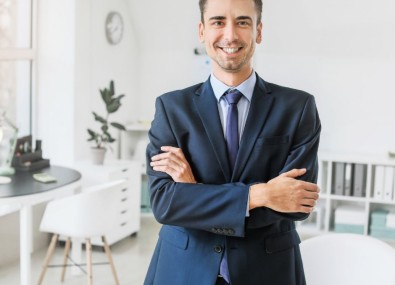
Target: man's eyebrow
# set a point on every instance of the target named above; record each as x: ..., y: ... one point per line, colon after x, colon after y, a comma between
x: 216, y: 18
x: 244, y: 18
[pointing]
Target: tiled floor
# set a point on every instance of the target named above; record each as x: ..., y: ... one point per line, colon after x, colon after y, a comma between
x: 131, y: 258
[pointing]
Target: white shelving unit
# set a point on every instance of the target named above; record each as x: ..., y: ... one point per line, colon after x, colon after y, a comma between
x: 322, y: 220
x: 133, y: 143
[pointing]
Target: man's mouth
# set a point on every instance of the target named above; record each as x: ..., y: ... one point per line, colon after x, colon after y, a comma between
x: 231, y: 50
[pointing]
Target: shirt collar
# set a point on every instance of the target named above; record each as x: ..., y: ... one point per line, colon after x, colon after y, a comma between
x: 246, y: 87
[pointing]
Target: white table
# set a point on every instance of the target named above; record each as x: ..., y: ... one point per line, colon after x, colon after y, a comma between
x: 24, y: 192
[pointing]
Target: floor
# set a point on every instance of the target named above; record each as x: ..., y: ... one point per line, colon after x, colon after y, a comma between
x: 131, y: 258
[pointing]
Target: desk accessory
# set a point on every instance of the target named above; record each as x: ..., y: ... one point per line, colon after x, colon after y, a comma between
x: 27, y: 160
x: 44, y: 177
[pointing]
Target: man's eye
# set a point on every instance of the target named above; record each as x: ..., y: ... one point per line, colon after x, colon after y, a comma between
x: 217, y: 23
x: 243, y: 23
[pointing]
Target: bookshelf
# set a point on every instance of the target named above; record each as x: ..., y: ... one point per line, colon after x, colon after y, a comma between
x: 354, y: 188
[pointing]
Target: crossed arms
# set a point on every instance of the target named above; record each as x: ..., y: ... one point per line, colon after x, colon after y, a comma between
x: 283, y: 193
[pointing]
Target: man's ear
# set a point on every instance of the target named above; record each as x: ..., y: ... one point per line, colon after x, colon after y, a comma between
x: 201, y: 32
x: 259, y: 33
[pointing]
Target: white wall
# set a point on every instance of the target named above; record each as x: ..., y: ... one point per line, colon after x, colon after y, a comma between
x: 75, y: 61
x: 167, y: 35
x: 343, y: 52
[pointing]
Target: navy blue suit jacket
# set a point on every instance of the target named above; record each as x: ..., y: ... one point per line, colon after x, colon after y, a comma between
x: 202, y: 220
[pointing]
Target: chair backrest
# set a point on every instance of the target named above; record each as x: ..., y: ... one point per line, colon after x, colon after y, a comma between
x: 88, y: 214
x: 348, y: 259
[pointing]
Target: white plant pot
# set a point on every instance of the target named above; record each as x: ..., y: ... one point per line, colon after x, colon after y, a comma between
x: 98, y: 155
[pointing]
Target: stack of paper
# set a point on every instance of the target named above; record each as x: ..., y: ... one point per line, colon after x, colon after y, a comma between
x: 350, y: 219
x: 382, y: 224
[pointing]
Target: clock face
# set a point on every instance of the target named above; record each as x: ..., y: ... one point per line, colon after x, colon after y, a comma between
x: 114, y: 28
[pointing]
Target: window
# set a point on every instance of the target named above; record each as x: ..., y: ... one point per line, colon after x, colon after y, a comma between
x: 17, y: 61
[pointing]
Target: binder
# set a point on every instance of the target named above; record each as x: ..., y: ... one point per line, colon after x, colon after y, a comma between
x: 338, y: 178
x: 359, y: 180
x: 348, y: 181
x: 379, y: 182
x: 388, y: 183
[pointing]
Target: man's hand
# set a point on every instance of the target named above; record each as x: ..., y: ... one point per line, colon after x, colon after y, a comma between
x: 285, y: 194
x: 173, y: 162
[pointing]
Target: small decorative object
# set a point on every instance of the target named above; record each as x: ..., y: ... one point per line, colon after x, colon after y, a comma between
x: 103, y: 138
x: 114, y: 28
x: 27, y: 159
x: 8, y: 136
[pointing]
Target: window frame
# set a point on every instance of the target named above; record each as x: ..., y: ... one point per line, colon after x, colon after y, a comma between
x: 27, y: 54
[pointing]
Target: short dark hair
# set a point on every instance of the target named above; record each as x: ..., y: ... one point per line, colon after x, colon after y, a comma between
x: 258, y: 8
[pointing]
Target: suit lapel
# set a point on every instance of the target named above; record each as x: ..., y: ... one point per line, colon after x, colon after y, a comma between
x: 261, y: 103
x: 207, y: 107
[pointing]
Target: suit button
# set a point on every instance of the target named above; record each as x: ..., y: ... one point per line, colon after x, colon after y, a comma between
x: 231, y: 232
x: 218, y: 249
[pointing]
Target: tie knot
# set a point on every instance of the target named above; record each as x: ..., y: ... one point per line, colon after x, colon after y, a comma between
x: 233, y: 96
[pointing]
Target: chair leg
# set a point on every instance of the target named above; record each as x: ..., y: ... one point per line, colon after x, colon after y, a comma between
x: 89, y: 260
x: 47, y: 259
x: 109, y: 256
x: 65, y: 254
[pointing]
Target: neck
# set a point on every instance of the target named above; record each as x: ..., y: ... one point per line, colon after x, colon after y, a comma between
x: 232, y: 79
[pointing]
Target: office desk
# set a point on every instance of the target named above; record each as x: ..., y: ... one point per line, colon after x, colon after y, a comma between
x: 25, y: 192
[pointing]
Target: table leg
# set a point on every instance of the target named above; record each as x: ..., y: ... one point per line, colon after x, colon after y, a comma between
x: 25, y: 221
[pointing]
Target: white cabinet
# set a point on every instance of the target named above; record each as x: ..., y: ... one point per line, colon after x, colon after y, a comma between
x: 133, y: 143
x: 128, y: 221
x: 357, y: 195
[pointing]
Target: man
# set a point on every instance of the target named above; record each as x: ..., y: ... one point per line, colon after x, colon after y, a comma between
x: 228, y: 217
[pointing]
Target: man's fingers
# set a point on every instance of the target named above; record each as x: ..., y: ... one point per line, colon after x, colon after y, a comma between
x: 294, y: 173
x: 175, y: 150
x: 308, y: 186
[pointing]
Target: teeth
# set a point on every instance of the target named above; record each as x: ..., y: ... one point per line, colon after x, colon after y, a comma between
x: 230, y: 50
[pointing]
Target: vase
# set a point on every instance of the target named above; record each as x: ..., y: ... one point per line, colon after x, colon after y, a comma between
x: 98, y: 155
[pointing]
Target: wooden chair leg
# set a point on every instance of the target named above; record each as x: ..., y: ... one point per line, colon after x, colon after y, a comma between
x: 109, y: 256
x: 89, y: 260
x: 65, y: 255
x: 47, y: 259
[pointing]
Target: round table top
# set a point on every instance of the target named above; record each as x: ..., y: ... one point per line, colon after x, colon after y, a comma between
x: 23, y: 182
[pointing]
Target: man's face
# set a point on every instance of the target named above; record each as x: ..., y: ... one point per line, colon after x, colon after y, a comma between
x: 230, y: 33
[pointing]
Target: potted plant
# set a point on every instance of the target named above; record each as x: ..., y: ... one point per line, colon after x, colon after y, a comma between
x: 103, y: 138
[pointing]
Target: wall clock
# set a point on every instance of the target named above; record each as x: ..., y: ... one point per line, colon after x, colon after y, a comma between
x: 114, y: 28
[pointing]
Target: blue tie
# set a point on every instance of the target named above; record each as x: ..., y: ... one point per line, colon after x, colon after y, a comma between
x: 232, y: 143
x: 232, y: 125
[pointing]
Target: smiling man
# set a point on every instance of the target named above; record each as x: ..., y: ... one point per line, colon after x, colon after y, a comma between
x: 232, y: 164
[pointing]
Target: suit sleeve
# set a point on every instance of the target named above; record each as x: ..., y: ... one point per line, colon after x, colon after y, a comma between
x: 216, y: 208
x: 303, y: 154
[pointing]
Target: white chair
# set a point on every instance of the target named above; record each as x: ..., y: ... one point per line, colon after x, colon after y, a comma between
x: 83, y: 216
x: 348, y: 259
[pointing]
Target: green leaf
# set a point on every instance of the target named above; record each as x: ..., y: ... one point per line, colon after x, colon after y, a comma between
x: 112, y: 88
x: 118, y: 126
x: 115, y: 104
x: 105, y: 94
x: 99, y: 118
x: 104, y: 128
x: 91, y: 133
